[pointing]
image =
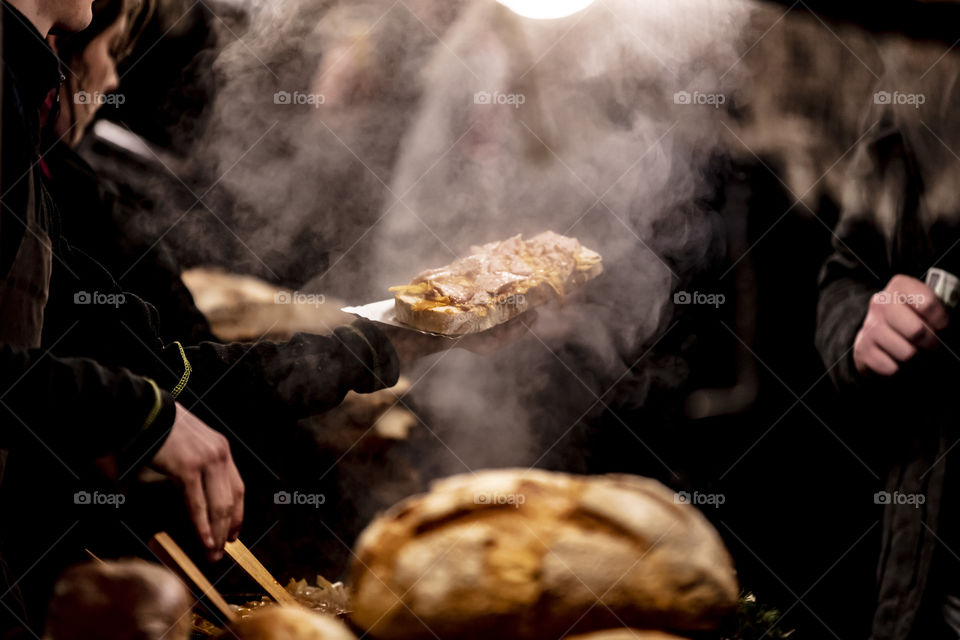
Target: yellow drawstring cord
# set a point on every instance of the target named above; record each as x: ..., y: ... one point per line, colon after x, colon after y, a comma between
x: 187, y: 370
x: 157, y: 405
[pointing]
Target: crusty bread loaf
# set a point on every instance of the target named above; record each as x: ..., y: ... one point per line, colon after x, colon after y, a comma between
x: 288, y: 623
x: 625, y: 634
x: 453, y: 321
x: 118, y: 600
x: 531, y: 554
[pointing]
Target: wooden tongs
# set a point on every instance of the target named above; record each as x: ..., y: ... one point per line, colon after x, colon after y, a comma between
x: 255, y: 569
x: 175, y: 559
x: 171, y: 555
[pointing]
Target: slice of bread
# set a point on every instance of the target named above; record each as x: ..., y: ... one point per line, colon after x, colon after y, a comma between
x: 453, y: 321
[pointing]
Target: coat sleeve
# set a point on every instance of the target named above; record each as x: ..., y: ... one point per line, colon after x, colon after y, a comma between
x: 79, y: 409
x: 306, y: 375
x: 864, y: 254
x: 846, y: 286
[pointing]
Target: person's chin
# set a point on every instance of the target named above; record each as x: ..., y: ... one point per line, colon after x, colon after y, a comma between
x: 78, y: 22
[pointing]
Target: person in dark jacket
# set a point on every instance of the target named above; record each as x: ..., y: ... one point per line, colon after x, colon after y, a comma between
x: 96, y: 214
x: 77, y: 410
x: 89, y: 392
x: 891, y: 348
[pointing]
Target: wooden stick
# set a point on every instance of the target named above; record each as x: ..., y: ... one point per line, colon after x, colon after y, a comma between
x: 249, y: 563
x: 94, y: 557
x: 174, y: 558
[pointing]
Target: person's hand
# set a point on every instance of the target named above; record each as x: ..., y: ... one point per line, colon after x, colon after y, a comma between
x: 903, y: 319
x: 198, y: 459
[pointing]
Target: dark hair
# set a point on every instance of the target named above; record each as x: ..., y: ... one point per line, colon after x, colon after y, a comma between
x: 105, y: 14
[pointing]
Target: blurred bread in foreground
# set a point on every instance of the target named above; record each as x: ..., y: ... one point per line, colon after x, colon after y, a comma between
x: 626, y: 634
x: 288, y: 623
x: 119, y: 600
x: 542, y: 555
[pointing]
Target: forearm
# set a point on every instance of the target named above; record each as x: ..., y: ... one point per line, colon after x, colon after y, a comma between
x: 79, y: 409
x: 841, y: 309
x: 857, y: 269
x: 306, y: 375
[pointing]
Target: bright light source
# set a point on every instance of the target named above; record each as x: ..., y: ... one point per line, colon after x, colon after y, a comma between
x: 546, y: 9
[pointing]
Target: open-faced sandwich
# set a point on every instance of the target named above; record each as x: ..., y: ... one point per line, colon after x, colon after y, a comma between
x: 496, y: 283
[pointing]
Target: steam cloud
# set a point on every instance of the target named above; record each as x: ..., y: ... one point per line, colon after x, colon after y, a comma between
x: 449, y: 124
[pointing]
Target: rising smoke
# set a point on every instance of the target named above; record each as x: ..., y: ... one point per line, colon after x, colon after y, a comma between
x: 606, y: 128
x: 442, y: 125
x: 308, y: 178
